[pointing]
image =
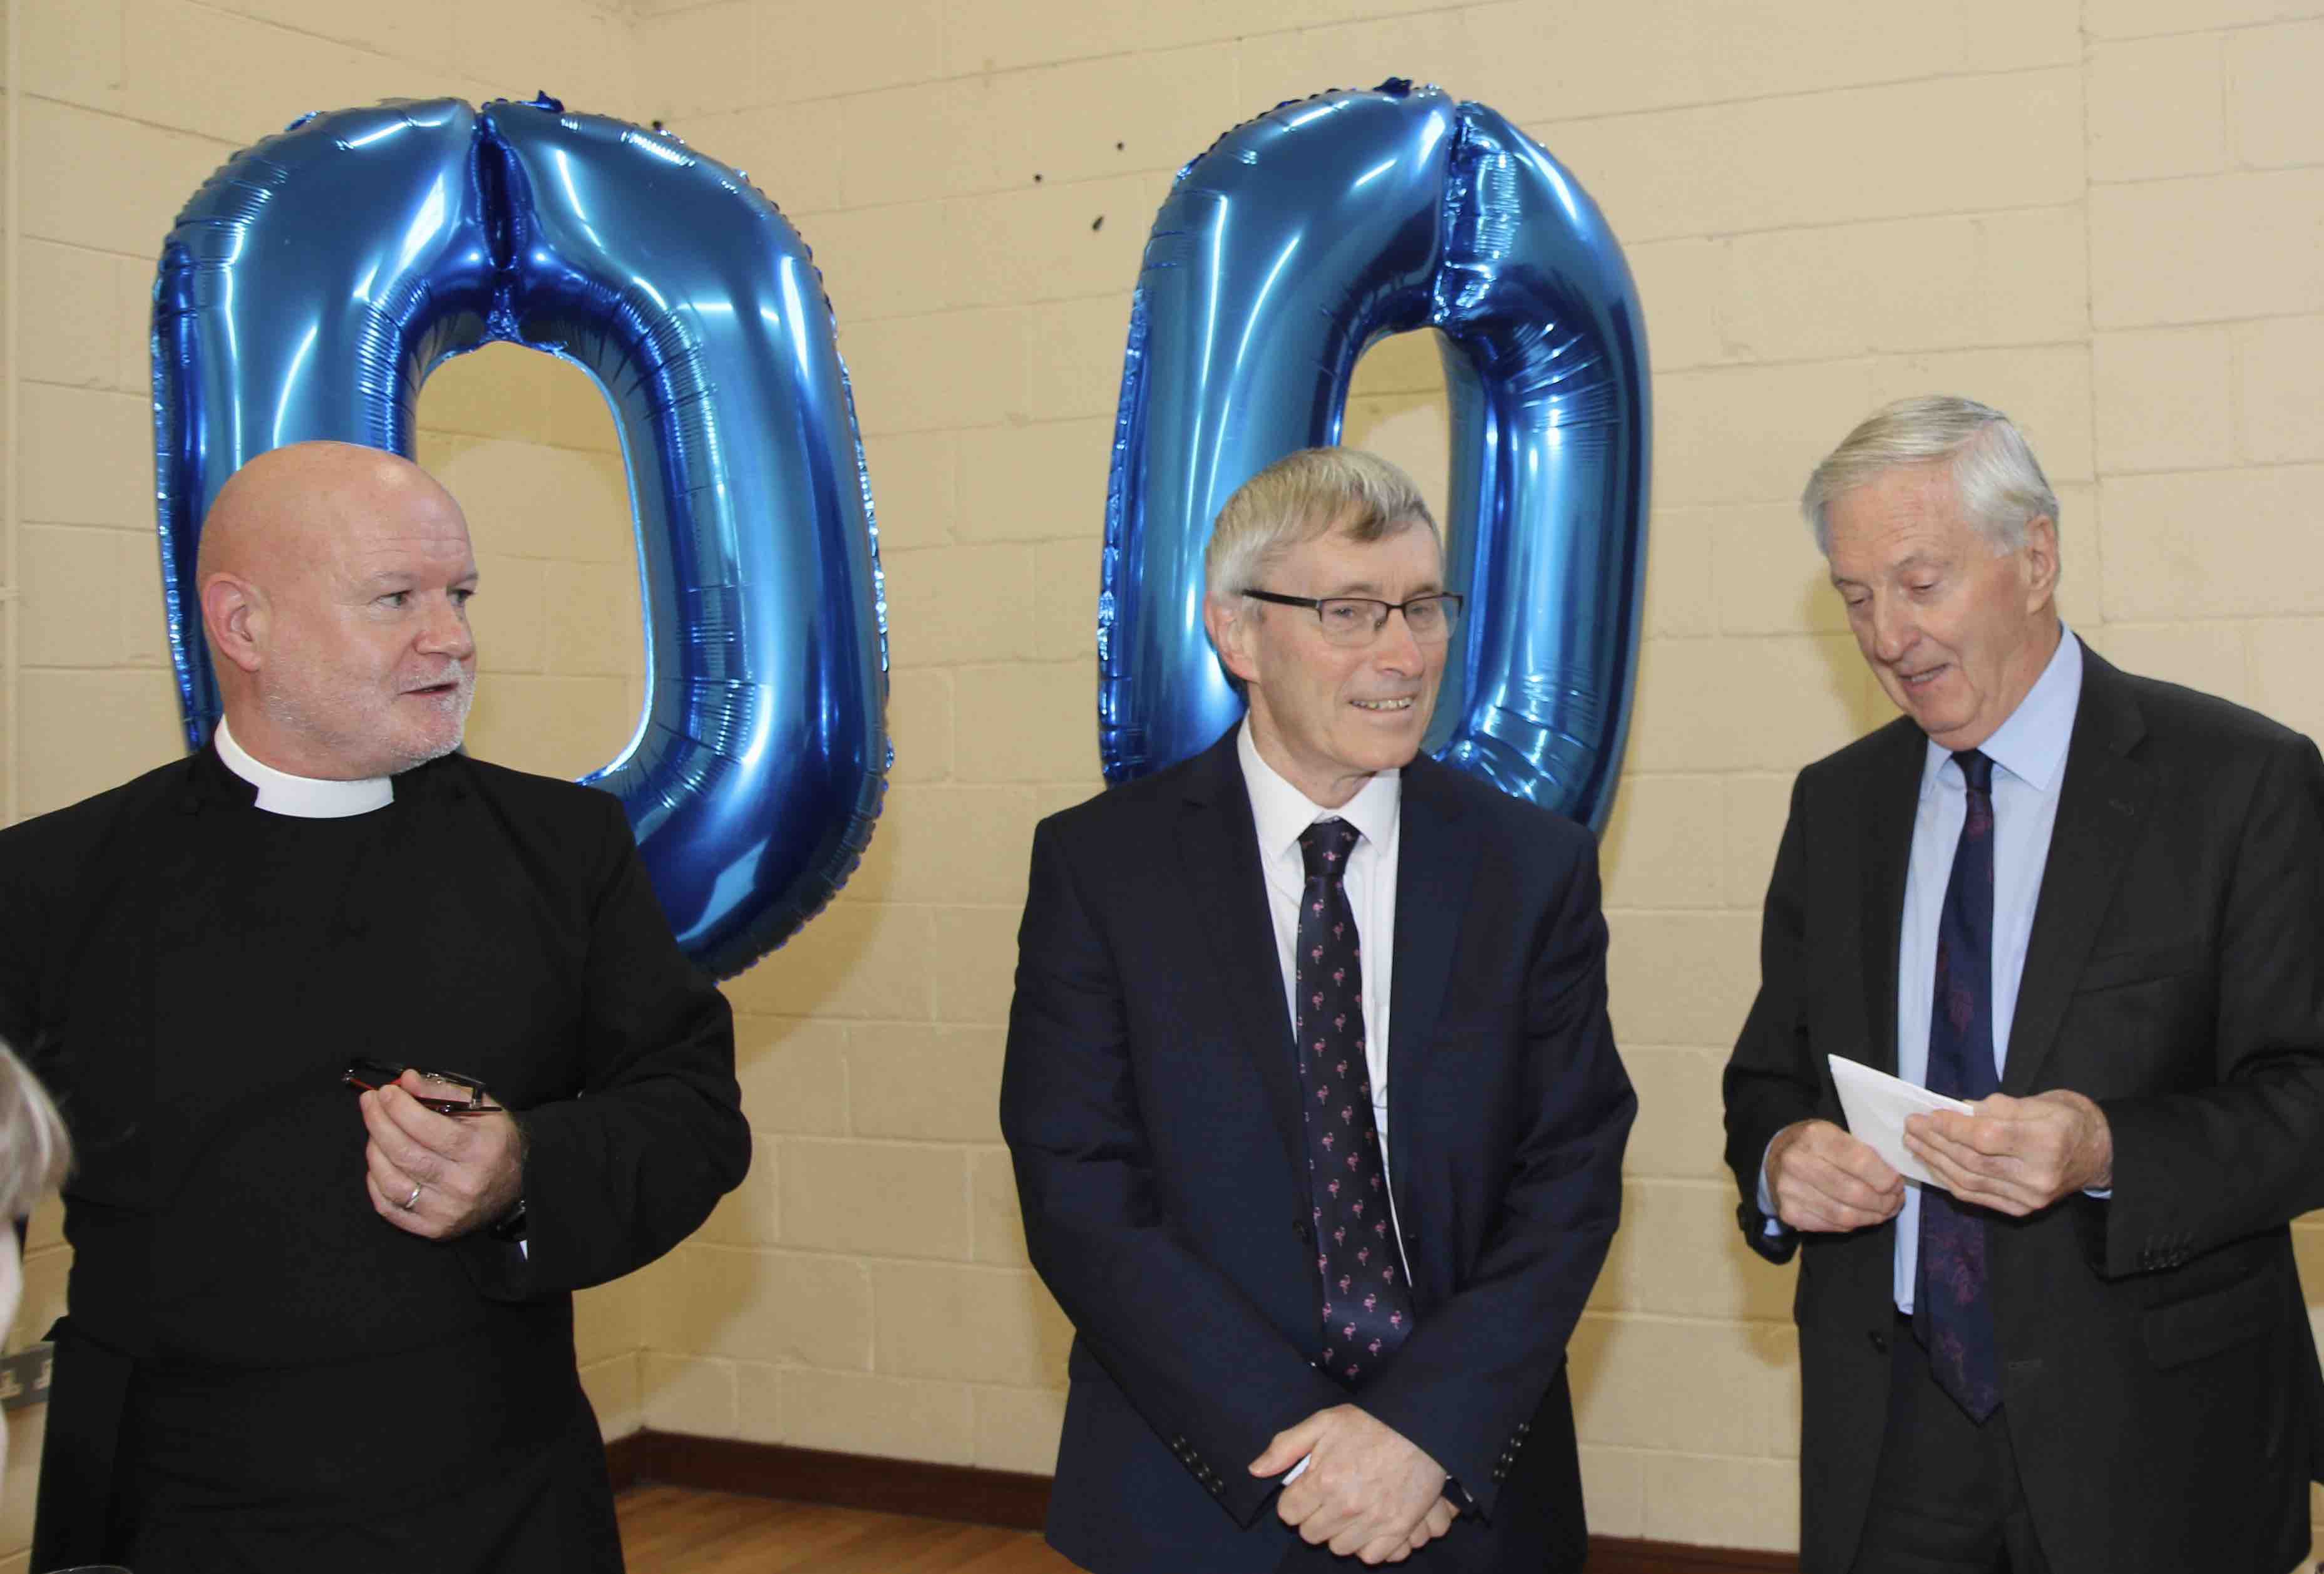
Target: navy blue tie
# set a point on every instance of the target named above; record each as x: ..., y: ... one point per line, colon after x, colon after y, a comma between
x: 1366, y: 1305
x: 1952, y: 1312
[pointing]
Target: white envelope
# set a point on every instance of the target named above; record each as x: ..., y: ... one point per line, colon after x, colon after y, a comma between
x: 1876, y: 1104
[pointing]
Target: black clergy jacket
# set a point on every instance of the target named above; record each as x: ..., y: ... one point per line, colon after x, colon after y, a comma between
x: 189, y: 975
x: 2159, y: 1378
x: 1151, y: 1102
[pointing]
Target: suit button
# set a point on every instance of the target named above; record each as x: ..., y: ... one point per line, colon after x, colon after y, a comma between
x: 1304, y: 1230
x: 1524, y: 1427
x: 1879, y: 1341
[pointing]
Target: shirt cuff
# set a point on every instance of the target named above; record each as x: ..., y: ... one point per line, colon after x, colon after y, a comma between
x: 1766, y: 1199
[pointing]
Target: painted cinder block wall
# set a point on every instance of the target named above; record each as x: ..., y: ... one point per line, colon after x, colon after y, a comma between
x: 2104, y: 216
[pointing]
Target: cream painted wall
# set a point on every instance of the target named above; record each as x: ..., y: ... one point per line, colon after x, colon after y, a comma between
x: 2104, y: 216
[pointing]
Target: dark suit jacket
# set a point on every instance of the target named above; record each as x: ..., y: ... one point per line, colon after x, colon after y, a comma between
x: 2160, y: 1380
x: 1151, y: 1100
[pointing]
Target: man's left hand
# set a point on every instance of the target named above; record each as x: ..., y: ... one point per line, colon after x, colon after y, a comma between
x: 1368, y: 1492
x: 2016, y: 1156
x: 438, y: 1175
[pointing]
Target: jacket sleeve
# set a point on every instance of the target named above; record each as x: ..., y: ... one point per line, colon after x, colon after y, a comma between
x: 2196, y: 1168
x: 1193, y: 1354
x: 1771, y: 1079
x: 25, y: 917
x: 1475, y: 1368
x: 620, y: 1175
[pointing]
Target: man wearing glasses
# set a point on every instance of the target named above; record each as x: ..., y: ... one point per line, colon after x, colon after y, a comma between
x: 373, y: 1053
x: 1317, y: 1116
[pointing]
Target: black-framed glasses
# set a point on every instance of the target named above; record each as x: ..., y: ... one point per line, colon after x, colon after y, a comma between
x: 1357, y: 620
x: 448, y: 1093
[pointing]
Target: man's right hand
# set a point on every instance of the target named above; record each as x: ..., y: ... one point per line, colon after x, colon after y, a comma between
x: 1822, y: 1178
x: 1368, y: 1492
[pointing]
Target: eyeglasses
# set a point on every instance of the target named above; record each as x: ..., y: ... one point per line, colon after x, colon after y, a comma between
x: 448, y: 1093
x: 1357, y: 620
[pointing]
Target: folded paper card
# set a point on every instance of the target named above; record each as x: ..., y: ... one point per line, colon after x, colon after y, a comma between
x: 1875, y: 1104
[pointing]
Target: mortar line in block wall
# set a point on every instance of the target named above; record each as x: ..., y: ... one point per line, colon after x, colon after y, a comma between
x: 996, y: 77
x: 1682, y: 1320
x: 2224, y: 172
x: 225, y: 148
x: 12, y: 779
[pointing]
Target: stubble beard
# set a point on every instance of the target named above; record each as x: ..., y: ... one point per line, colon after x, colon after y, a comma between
x: 312, y: 716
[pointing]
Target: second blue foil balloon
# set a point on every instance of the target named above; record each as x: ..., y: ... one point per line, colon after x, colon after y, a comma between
x: 1281, y: 254
x: 315, y: 281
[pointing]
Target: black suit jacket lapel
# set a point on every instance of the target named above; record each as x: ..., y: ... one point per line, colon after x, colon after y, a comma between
x: 1219, y: 848
x: 2102, y: 807
x: 1892, y: 794
x: 1436, y: 863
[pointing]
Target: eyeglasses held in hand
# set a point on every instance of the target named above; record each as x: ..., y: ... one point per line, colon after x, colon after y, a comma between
x: 448, y: 1093
x: 1357, y: 620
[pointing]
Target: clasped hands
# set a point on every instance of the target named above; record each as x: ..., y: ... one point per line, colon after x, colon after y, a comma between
x: 470, y: 1169
x: 1368, y: 1491
x: 2014, y: 1155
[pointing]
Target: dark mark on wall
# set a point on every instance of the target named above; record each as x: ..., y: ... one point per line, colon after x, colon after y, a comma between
x: 1097, y: 223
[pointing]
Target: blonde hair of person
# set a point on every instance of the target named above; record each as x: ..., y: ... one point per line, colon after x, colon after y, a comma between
x: 1301, y: 496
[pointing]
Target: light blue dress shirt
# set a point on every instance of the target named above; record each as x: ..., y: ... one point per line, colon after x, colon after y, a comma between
x: 2029, y: 755
x: 2028, y: 752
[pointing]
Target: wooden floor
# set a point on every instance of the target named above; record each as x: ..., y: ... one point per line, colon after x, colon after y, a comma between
x: 674, y: 1530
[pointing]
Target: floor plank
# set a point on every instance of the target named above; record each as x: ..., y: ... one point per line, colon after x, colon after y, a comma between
x: 672, y: 1529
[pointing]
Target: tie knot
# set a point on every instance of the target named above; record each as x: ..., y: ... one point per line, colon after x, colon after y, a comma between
x: 1976, y: 769
x: 1325, y: 845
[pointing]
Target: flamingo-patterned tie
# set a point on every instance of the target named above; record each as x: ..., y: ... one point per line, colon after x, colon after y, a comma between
x: 1952, y: 1312
x: 1367, y: 1305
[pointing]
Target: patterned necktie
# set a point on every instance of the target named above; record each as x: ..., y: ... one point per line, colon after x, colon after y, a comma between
x: 1366, y: 1305
x: 1952, y: 1312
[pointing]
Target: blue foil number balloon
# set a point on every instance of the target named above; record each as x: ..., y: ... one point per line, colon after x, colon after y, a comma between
x: 315, y: 281
x: 1280, y: 255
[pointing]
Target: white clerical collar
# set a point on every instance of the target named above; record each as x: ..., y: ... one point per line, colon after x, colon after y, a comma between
x: 1282, y: 811
x: 302, y: 798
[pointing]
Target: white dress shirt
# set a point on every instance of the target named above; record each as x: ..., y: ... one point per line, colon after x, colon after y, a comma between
x: 302, y: 798
x: 1281, y: 812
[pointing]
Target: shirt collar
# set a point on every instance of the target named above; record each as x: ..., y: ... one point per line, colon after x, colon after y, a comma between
x: 301, y: 797
x: 2030, y: 744
x: 1282, y: 811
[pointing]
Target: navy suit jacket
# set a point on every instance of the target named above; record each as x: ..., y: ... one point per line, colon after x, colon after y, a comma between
x: 1151, y: 1101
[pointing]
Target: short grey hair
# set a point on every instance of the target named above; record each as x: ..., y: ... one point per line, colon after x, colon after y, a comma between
x: 1312, y: 492
x: 1995, y: 475
x: 34, y: 1152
